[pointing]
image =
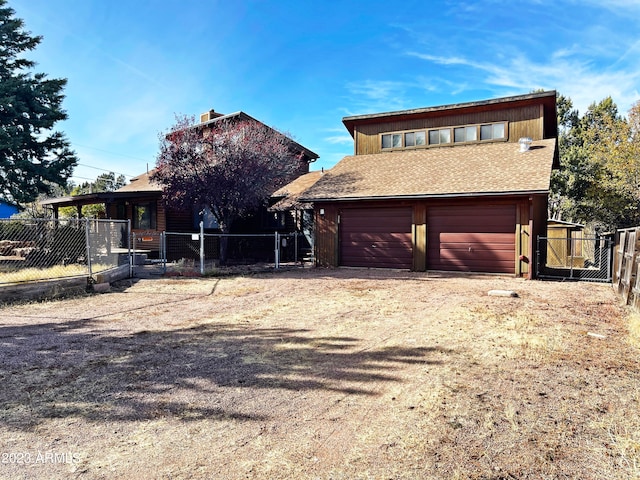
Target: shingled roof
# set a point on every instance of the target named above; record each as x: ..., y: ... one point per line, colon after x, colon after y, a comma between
x: 141, y: 183
x: 470, y: 170
x: 289, y: 196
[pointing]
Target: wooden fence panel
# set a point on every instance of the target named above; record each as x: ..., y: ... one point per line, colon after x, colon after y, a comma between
x: 629, y: 262
x: 626, y: 280
x: 635, y: 299
x: 617, y: 272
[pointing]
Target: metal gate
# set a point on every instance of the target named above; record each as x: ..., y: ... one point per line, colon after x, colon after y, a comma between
x: 148, y: 254
x: 585, y: 258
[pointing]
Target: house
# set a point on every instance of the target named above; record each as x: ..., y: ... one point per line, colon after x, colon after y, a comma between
x: 141, y: 200
x: 458, y: 187
x: 7, y: 210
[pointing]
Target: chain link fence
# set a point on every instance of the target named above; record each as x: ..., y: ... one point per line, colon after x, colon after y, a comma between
x: 185, y: 253
x: 40, y: 249
x: 583, y: 258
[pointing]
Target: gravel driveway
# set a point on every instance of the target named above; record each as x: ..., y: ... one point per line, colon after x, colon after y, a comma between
x: 321, y: 374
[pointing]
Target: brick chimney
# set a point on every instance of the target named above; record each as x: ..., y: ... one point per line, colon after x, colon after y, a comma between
x: 210, y: 115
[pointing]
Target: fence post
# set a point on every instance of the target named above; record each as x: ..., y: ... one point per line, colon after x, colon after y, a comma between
x: 610, y: 246
x: 277, y: 251
x: 572, y: 245
x: 163, y: 250
x: 87, y: 238
x: 133, y: 253
x: 201, y: 248
x: 538, y: 256
x: 129, y: 242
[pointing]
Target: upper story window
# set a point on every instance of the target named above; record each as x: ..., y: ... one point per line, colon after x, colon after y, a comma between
x: 440, y: 136
x: 465, y: 134
x: 415, y: 139
x: 445, y: 136
x: 493, y: 131
x: 393, y: 140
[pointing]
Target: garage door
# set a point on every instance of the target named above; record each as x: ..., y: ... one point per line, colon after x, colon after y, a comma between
x: 471, y: 238
x: 376, y: 237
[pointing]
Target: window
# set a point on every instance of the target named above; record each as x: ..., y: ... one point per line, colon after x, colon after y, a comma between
x: 144, y: 216
x: 121, y: 211
x: 445, y: 136
x: 494, y: 131
x: 437, y: 137
x: 414, y: 139
x: 465, y: 134
x: 410, y: 139
x: 392, y: 140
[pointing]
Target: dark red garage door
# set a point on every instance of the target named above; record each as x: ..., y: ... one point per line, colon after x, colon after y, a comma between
x: 376, y: 237
x: 472, y: 238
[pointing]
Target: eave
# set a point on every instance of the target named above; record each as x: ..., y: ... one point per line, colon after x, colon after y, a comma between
x: 426, y: 196
x: 547, y: 99
x: 94, y: 198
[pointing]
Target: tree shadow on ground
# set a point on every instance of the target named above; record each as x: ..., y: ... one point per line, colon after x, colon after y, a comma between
x: 81, y: 369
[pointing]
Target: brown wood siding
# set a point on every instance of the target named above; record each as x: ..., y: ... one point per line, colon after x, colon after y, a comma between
x: 539, y: 215
x: 326, y: 232
x: 420, y: 237
x: 523, y: 122
x: 379, y: 238
x: 148, y: 239
x: 179, y: 220
x: 161, y: 218
x: 523, y: 239
x: 478, y: 238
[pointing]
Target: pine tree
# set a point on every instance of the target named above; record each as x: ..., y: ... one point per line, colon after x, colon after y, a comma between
x: 33, y: 157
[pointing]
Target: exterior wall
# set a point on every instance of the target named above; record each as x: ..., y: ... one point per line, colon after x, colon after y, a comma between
x: 150, y: 241
x: 530, y: 219
x: 179, y: 220
x: 326, y: 244
x: 539, y: 228
x: 523, y: 122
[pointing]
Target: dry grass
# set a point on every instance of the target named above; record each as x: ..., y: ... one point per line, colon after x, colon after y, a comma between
x: 324, y: 374
x: 634, y: 328
x: 58, y: 271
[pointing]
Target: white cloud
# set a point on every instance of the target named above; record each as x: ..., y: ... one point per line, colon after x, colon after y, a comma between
x: 615, y: 5
x: 339, y: 139
x: 383, y: 95
x: 571, y: 75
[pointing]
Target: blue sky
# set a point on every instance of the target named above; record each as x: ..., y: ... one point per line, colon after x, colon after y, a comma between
x: 302, y: 66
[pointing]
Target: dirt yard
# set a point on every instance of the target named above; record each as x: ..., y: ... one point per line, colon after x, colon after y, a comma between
x: 328, y: 374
